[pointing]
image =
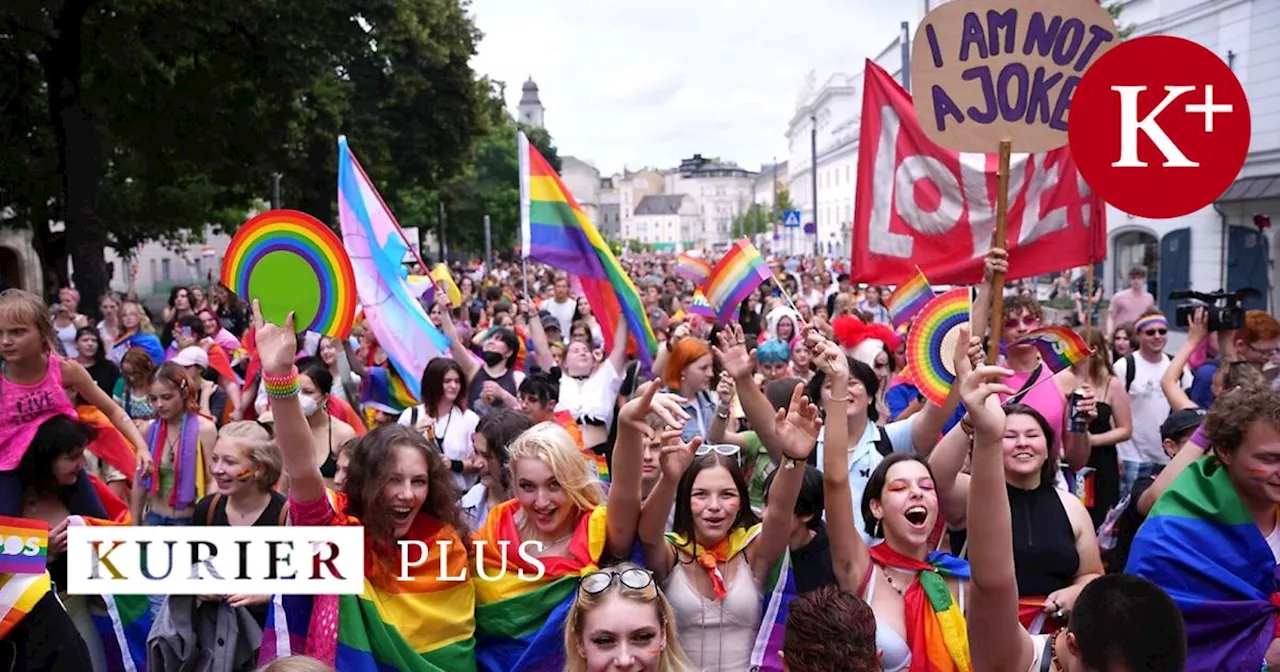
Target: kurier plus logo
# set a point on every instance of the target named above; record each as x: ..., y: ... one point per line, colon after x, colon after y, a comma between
x: 1159, y: 127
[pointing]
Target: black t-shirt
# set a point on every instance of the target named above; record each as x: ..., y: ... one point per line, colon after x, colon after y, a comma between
x: 1128, y: 523
x: 811, y: 564
x: 274, y: 514
x: 105, y: 373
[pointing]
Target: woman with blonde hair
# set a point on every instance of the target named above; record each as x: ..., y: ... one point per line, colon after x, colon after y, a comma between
x: 621, y: 620
x: 534, y: 548
x: 1113, y: 424
x: 136, y: 332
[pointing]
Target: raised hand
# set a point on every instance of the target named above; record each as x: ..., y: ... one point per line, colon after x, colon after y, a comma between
x: 997, y: 261
x: 979, y: 387
x: 666, y: 406
x: 732, y: 352
x: 725, y: 388
x: 676, y: 455
x: 827, y: 356
x: 277, y: 346
x: 798, y: 426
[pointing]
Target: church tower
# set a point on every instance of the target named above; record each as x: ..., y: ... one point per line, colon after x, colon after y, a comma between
x: 531, y: 109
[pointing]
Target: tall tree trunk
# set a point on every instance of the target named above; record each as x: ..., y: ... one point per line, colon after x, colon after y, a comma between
x: 78, y: 154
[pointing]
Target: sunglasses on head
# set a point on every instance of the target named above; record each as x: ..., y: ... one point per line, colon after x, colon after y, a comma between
x: 725, y: 449
x: 598, y: 582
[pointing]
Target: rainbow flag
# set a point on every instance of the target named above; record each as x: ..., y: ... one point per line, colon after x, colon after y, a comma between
x: 377, y: 247
x: 135, y: 339
x: 124, y: 625
x: 383, y: 389
x: 781, y: 589
x: 425, y: 624
x: 19, y: 594
x: 936, y: 628
x: 108, y: 444
x: 31, y: 554
x: 908, y: 299
x: 520, y: 621
x: 734, y: 277
x: 695, y: 269
x: 556, y: 232
x: 1060, y: 347
x: 701, y: 306
x: 1202, y: 546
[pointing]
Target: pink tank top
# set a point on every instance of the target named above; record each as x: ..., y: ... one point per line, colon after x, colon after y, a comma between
x: 1045, y: 397
x: 24, y: 407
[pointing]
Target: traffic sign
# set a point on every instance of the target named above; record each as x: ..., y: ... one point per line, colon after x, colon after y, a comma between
x: 791, y: 219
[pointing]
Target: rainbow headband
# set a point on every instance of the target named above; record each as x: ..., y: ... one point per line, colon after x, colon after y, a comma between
x: 274, y: 236
x: 1150, y: 321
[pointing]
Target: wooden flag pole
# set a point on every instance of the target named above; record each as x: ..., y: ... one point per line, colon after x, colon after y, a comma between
x: 999, y: 240
x: 1088, y: 301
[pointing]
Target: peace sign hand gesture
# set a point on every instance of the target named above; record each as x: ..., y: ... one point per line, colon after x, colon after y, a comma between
x: 277, y: 346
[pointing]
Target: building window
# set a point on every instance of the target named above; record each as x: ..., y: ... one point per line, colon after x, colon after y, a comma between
x: 164, y: 270
x: 153, y: 271
x: 1135, y: 248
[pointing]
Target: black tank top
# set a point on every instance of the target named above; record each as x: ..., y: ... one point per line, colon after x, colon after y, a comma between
x: 1044, y: 544
x: 506, y: 381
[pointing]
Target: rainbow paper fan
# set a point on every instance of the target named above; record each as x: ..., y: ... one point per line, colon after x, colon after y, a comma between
x: 931, y: 343
x: 290, y: 261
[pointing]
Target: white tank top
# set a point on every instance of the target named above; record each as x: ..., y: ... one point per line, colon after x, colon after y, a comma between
x: 717, y: 635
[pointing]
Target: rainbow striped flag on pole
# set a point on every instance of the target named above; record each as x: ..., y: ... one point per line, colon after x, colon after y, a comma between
x: 689, y: 267
x: 734, y: 277
x: 908, y: 299
x: 1060, y: 347
x: 556, y: 232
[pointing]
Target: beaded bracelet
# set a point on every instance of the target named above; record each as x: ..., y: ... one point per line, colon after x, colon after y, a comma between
x: 281, y: 387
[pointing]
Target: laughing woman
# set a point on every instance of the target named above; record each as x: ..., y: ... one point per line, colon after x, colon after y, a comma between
x: 398, y: 488
x: 556, y: 529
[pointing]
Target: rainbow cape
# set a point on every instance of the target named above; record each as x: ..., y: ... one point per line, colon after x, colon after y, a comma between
x: 734, y: 277
x: 557, y: 232
x: 426, y: 624
x: 520, y: 622
x: 1204, y: 549
x: 781, y: 589
x: 126, y: 621
x: 1059, y: 347
x: 108, y: 444
x: 936, y: 629
x: 136, y: 339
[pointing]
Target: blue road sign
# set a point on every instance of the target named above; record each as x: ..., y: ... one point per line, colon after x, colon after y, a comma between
x: 791, y: 219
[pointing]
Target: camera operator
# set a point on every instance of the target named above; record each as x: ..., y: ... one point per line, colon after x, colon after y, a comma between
x: 1257, y: 342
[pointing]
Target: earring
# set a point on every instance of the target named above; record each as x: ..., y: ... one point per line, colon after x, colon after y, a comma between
x: 876, y: 533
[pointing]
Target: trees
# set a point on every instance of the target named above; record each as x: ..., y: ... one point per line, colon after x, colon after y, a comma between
x: 137, y: 119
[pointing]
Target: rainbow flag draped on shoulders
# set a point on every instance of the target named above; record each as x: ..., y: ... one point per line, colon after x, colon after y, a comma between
x: 1204, y: 549
x: 125, y: 622
x: 520, y: 621
x: 150, y: 343
x: 936, y: 628
x: 426, y: 624
x: 557, y: 232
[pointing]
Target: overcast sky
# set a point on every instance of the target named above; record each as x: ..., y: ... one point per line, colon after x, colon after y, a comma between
x: 651, y: 82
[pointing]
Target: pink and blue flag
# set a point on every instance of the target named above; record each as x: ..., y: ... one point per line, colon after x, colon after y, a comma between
x: 377, y: 247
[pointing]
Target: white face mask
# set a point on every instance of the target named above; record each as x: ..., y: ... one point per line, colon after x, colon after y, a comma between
x: 309, y: 404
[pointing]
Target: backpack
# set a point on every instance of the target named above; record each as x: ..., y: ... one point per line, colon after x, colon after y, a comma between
x: 217, y: 497
x: 1129, y: 372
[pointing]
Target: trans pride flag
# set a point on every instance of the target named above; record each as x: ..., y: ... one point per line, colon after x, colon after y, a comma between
x: 556, y: 232
x: 519, y: 622
x: 1204, y: 549
x: 377, y: 248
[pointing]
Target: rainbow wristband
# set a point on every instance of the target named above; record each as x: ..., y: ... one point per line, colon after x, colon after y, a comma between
x: 281, y: 387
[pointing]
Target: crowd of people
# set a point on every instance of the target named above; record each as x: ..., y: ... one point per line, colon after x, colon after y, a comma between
x: 771, y: 493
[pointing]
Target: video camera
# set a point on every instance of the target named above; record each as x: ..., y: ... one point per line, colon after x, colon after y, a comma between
x: 1225, y: 308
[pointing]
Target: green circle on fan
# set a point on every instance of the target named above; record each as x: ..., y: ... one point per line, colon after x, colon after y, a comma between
x: 282, y: 282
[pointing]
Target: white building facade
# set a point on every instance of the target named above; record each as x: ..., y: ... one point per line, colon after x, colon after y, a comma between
x: 668, y: 222
x: 721, y: 192
x: 583, y: 181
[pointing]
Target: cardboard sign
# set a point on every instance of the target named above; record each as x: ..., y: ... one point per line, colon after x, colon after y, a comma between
x: 986, y: 70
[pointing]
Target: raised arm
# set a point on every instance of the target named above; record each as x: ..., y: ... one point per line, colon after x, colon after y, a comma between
x: 947, y: 464
x: 736, y: 361
x: 628, y: 456
x: 541, y: 348
x: 797, y: 434
x: 618, y: 354
x: 1171, y: 381
x: 464, y: 358
x: 76, y: 377
x: 675, y: 459
x: 719, y: 431
x: 997, y: 641
x: 277, y: 348
x: 997, y: 260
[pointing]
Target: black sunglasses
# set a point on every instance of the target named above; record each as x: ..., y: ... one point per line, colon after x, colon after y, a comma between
x: 598, y: 582
x: 1156, y: 332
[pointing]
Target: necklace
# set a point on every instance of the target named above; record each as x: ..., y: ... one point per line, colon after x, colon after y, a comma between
x: 1053, y: 651
x: 894, y: 584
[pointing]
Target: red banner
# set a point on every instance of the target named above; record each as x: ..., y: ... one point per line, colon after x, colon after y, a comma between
x: 922, y: 205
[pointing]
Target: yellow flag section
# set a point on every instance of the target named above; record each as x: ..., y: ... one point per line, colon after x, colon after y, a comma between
x: 18, y: 595
x: 522, y: 602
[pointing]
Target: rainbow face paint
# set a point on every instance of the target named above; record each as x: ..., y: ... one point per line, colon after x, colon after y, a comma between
x: 245, y: 475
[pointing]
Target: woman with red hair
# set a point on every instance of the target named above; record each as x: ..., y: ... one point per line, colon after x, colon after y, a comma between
x: 688, y: 373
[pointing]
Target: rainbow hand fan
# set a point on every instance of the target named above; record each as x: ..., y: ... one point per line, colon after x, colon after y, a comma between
x: 931, y: 343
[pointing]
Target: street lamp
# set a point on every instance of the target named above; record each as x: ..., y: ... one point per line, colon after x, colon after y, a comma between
x: 813, y: 154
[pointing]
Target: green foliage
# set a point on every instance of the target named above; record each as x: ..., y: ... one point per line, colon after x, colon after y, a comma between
x: 1115, y: 9
x: 134, y: 120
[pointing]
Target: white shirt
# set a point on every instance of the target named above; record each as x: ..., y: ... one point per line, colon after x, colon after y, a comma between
x: 1273, y: 540
x: 864, y: 458
x: 593, y: 397
x: 563, y: 312
x: 1150, y: 408
x: 454, y: 432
